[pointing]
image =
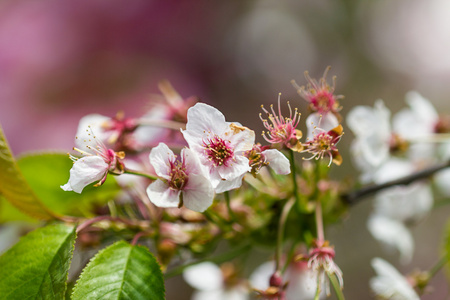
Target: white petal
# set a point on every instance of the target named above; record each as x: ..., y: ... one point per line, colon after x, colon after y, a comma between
x: 204, y: 276
x: 198, y: 194
x: 227, y: 185
x: 442, y: 180
x: 303, y: 284
x: 317, y: 123
x: 361, y: 161
x: 374, y: 149
x: 85, y: 171
x: 393, y: 169
x: 259, y: 279
x: 236, y: 169
x: 422, y: 107
x: 151, y: 134
x: 418, y: 120
x: 192, y: 162
x: 91, y: 125
x: 159, y: 159
x: 393, y: 234
x: 389, y: 283
x: 368, y: 121
x: 161, y: 195
x: 371, y: 127
x: 235, y: 293
x: 205, y: 118
x: 405, y: 203
x: 242, y: 140
x: 277, y: 161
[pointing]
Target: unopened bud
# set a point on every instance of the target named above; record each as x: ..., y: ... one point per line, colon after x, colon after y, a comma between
x: 276, y: 279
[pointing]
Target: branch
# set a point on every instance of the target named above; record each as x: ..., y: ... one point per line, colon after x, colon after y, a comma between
x: 353, y: 197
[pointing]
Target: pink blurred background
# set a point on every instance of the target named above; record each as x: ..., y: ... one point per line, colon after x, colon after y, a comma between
x: 61, y: 60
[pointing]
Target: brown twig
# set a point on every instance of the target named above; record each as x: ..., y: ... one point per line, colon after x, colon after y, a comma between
x: 353, y: 197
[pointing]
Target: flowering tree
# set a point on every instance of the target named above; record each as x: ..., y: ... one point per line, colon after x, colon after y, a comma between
x: 162, y: 192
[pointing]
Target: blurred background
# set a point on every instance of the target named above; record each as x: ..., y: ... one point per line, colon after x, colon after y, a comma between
x: 61, y: 60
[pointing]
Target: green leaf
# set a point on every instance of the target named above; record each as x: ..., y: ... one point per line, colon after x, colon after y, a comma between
x: 46, y: 172
x: 37, y: 266
x: 15, y: 188
x: 9, y: 213
x: 121, y: 271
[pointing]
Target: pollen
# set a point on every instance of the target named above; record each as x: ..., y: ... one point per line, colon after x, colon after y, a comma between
x: 218, y: 151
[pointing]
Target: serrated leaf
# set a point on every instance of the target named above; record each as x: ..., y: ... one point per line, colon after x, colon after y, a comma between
x: 55, y: 167
x: 121, y: 271
x: 15, y: 188
x: 37, y: 266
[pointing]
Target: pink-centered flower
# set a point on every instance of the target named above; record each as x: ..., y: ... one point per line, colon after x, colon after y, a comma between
x: 320, y: 94
x: 261, y: 156
x: 115, y: 133
x: 322, y: 142
x: 97, y: 162
x: 282, y: 130
x: 220, y: 145
x: 181, y: 181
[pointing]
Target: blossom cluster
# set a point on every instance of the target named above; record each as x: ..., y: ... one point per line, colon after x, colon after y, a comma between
x: 184, y: 155
x: 385, y: 152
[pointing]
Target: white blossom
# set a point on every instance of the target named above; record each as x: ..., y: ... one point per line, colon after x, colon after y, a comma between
x: 220, y: 145
x: 182, y: 182
x: 389, y: 283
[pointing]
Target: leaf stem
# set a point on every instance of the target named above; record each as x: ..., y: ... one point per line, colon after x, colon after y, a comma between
x: 280, y: 235
x: 319, y: 222
x: 131, y: 223
x: 134, y: 172
x: 336, y: 286
x: 441, y: 263
x: 294, y: 175
x: 230, y: 211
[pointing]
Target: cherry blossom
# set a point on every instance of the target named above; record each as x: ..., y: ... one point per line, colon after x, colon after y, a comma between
x: 397, y: 206
x: 181, y: 182
x: 389, y: 283
x: 94, y: 166
x: 260, y: 156
x: 282, y: 130
x: 301, y: 281
x: 220, y: 145
x: 114, y: 132
x: 212, y: 282
x: 319, y: 94
x: 322, y: 142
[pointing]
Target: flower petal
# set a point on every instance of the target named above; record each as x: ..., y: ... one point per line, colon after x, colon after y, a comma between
x: 239, y: 167
x: 389, y: 283
x: 198, y: 194
x: 161, y: 195
x: 317, y: 123
x: 393, y: 234
x: 405, y: 203
x: 85, y: 171
x: 89, y: 126
x: 159, y: 159
x: 277, y: 161
x: 259, y: 279
x: 204, y: 276
x: 204, y: 118
x: 227, y: 185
